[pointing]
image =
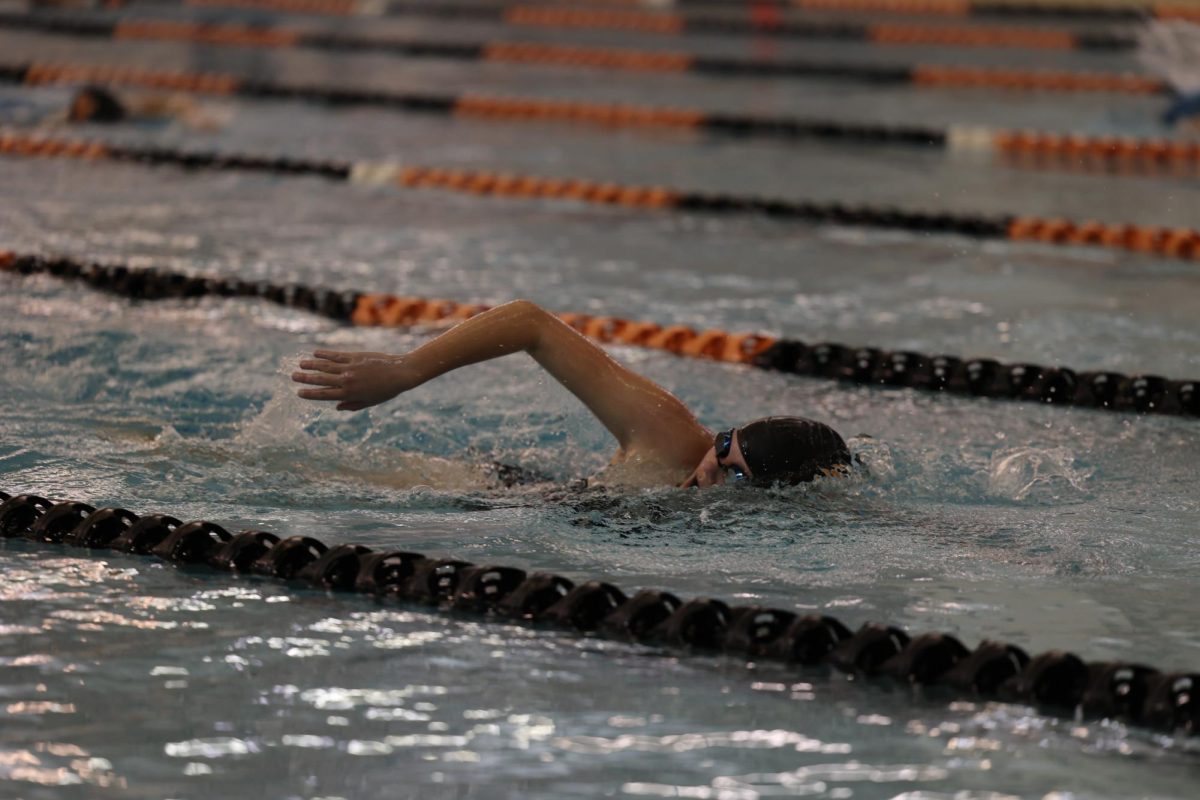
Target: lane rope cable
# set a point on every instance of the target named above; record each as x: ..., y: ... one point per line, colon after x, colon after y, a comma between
x: 536, y: 54
x: 1174, y: 243
x: 931, y: 665
x: 673, y: 24
x: 1117, y: 155
x: 865, y: 366
x: 1066, y: 10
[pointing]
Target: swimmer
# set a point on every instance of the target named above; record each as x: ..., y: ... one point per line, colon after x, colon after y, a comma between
x: 660, y: 441
x: 95, y: 104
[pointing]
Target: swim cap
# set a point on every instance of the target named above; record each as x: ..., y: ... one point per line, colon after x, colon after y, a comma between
x: 790, y: 449
x: 93, y: 104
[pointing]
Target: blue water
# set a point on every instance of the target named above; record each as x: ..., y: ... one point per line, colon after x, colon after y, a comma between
x: 126, y: 678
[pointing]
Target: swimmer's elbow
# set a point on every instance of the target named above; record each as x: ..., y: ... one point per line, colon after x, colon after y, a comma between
x: 531, y: 320
x: 526, y: 308
x: 531, y: 313
x: 545, y: 335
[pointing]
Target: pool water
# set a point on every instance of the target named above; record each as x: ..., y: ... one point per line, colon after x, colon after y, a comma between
x: 124, y: 677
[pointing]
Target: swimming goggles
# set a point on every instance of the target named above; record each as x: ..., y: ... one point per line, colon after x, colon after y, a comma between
x: 721, y: 446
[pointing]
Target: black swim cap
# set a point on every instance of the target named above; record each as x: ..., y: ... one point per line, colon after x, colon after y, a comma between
x: 791, y: 449
x: 94, y: 104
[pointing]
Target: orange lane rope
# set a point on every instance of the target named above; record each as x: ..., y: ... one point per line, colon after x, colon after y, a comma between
x: 1121, y: 155
x: 552, y: 55
x: 1180, y: 243
x: 607, y: 114
x: 862, y: 365
x: 579, y: 18
x: 204, y: 33
x: 1044, y: 80
x: 392, y: 311
x: 1129, y: 10
x: 42, y: 73
x: 587, y: 57
x: 672, y: 24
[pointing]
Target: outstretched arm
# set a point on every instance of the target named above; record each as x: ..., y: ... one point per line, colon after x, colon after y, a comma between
x: 645, y: 418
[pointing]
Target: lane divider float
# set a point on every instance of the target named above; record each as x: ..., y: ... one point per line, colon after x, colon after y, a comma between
x: 625, y: 20
x: 536, y: 54
x: 864, y: 366
x: 931, y: 665
x: 1069, y: 10
x: 674, y: 24
x: 1093, y: 10
x: 1175, y: 243
x: 1120, y: 155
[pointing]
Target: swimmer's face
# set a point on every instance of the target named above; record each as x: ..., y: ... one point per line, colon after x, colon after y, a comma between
x: 720, y: 464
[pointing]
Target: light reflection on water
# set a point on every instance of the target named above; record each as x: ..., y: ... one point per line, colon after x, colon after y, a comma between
x: 455, y: 701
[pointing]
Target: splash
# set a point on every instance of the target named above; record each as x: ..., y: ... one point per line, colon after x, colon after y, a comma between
x: 285, y: 416
x: 1040, y: 476
x: 301, y: 437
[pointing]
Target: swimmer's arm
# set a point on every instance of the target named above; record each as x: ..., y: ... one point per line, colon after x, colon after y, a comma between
x: 645, y: 418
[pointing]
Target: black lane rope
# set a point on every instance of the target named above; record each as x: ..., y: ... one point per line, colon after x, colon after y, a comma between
x: 1057, y: 682
x: 866, y: 366
x: 1179, y: 243
x: 1170, y: 242
x: 675, y: 24
x: 1037, y: 149
x: 1071, y: 10
x: 606, y: 115
x: 556, y: 56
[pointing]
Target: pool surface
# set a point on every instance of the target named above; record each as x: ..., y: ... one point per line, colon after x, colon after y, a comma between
x: 124, y: 677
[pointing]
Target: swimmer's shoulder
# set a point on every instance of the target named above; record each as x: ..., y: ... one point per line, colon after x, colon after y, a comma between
x: 632, y: 469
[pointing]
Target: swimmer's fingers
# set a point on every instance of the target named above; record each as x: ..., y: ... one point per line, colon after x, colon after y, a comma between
x: 339, y: 356
x: 356, y: 379
x: 317, y: 378
x: 348, y: 406
x: 322, y: 394
x: 322, y: 365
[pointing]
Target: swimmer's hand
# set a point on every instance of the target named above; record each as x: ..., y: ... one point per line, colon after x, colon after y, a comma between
x: 355, y: 380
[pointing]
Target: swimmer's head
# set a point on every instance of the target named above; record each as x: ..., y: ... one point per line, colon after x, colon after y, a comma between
x: 94, y: 104
x: 771, y: 450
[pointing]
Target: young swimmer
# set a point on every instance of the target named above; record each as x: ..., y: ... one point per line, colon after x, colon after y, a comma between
x: 661, y: 442
x: 95, y: 104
